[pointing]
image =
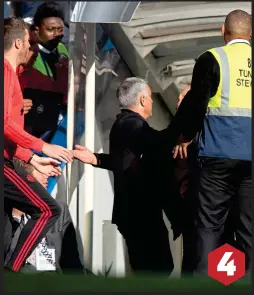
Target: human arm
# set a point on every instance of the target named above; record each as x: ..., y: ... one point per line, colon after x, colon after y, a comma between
x: 136, y: 134
x: 51, y: 150
x: 46, y: 166
x: 12, y: 130
x: 182, y: 95
x: 192, y: 110
x: 19, y: 165
x: 16, y: 132
x: 204, y: 84
x: 180, y: 149
x: 139, y: 137
x: 104, y: 161
x: 23, y: 154
x: 99, y: 160
x: 40, y: 177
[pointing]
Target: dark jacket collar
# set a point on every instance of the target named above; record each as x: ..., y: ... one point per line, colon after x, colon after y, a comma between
x: 128, y: 112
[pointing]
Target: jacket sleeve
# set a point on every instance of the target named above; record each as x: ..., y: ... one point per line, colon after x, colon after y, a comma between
x: 141, y: 138
x: 23, y: 154
x: 104, y: 161
x: 204, y: 84
x: 12, y: 130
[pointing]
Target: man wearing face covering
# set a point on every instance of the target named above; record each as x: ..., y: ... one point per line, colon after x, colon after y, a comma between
x: 44, y: 82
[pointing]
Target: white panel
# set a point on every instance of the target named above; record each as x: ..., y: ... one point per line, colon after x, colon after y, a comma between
x: 194, y: 11
x: 104, y: 12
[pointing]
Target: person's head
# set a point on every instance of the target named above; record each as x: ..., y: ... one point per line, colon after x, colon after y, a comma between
x: 34, y: 49
x: 16, y: 40
x: 49, y: 24
x: 135, y: 94
x: 238, y: 25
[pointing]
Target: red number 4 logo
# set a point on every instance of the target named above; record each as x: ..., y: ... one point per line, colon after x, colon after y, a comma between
x: 226, y: 264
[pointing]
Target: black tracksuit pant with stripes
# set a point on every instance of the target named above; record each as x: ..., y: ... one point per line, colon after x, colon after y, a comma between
x: 24, y: 193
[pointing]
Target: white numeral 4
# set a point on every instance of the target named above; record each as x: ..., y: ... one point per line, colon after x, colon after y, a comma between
x: 226, y: 266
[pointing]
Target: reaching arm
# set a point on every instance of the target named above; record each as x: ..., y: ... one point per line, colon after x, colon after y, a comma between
x: 86, y: 156
x: 11, y: 129
x: 205, y: 81
x: 23, y: 154
x: 104, y: 161
x: 141, y: 138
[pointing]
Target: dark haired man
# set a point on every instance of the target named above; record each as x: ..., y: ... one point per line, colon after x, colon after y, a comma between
x: 27, y: 9
x: 47, y: 76
x: 218, y: 106
x: 22, y: 191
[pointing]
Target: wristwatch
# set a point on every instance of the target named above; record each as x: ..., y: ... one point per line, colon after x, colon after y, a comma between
x: 28, y: 162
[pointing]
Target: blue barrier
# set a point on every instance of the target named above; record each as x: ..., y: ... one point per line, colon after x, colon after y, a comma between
x: 60, y: 138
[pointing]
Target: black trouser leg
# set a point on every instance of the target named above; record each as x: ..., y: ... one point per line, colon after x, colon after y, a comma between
x: 189, y: 232
x: 149, y: 251
x: 215, y: 193
x: 188, y: 216
x: 244, y: 215
x: 189, y: 239
x: 27, y: 195
x: 7, y: 234
x: 62, y: 236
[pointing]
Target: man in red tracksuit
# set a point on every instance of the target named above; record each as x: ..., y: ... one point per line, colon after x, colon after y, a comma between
x: 23, y: 191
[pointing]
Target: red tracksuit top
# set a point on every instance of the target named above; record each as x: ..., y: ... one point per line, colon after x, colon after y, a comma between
x: 17, y: 142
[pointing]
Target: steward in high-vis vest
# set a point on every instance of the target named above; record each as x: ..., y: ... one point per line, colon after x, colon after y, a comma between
x: 218, y: 107
x: 44, y: 80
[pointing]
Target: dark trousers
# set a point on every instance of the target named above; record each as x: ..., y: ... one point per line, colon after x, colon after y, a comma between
x: 225, y: 186
x: 62, y: 237
x: 149, y: 250
x: 24, y: 193
x: 7, y: 234
x: 189, y: 236
x: 186, y: 178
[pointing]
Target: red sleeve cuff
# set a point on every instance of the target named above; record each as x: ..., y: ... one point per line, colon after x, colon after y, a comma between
x: 23, y: 154
x: 37, y: 145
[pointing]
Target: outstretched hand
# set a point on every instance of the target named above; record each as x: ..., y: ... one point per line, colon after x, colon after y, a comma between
x: 181, y: 149
x: 46, y: 166
x: 41, y: 178
x: 84, y: 155
x: 57, y: 152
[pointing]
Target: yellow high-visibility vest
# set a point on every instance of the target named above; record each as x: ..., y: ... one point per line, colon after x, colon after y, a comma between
x: 226, y: 131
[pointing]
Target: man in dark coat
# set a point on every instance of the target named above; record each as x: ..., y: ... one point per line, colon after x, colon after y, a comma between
x: 138, y: 157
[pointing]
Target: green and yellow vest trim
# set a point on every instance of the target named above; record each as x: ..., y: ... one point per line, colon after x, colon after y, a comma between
x: 43, y: 67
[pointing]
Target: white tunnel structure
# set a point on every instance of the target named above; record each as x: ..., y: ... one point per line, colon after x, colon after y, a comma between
x: 159, y: 42
x: 163, y: 39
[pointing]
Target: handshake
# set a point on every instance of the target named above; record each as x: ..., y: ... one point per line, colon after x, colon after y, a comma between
x: 58, y: 153
x: 41, y: 168
x: 49, y: 167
